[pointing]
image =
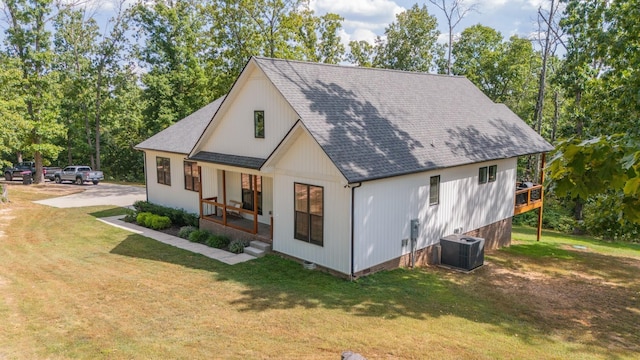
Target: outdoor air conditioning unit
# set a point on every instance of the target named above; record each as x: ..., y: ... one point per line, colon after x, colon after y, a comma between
x: 462, y: 251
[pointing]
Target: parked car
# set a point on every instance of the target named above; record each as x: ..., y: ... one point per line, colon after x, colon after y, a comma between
x: 78, y: 175
x: 18, y: 169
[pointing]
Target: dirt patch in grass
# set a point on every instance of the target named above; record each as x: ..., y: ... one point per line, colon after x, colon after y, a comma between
x: 591, y: 298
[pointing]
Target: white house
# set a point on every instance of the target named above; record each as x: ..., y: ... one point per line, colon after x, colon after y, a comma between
x: 331, y: 163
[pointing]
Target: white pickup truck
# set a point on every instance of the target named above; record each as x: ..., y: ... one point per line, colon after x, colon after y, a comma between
x: 78, y: 175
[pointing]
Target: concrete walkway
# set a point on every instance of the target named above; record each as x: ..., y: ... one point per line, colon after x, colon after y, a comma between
x: 213, y: 253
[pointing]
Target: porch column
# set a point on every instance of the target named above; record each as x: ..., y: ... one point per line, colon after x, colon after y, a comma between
x: 224, y: 198
x: 255, y: 204
x: 200, y: 189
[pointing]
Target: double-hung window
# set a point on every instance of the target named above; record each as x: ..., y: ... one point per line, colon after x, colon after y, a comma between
x: 309, y: 213
x: 482, y: 175
x: 434, y: 190
x: 163, y: 166
x: 493, y: 172
x: 191, y: 176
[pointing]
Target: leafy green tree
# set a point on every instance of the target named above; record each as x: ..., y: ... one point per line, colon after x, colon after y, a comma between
x: 87, y: 64
x: 361, y: 53
x: 600, y: 165
x: 176, y: 83
x: 319, y: 37
x: 504, y: 70
x: 14, y: 126
x: 410, y: 42
x: 601, y: 77
x: 30, y: 44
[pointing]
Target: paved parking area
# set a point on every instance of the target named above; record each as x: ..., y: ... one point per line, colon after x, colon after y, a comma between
x: 101, y: 194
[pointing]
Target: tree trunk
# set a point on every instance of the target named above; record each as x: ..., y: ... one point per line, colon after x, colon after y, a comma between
x: 556, y: 115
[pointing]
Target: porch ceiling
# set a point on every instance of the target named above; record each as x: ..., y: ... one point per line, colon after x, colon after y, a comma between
x: 228, y: 159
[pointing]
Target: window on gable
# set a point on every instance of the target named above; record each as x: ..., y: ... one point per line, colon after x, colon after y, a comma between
x: 493, y: 172
x: 247, y: 191
x: 258, y: 123
x: 434, y: 190
x: 482, y: 175
x: 309, y: 213
x: 163, y: 166
x: 191, y: 176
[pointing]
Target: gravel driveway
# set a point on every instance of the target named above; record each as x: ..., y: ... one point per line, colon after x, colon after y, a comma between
x: 102, y: 194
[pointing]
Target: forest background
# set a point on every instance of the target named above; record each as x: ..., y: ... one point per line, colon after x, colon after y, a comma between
x: 73, y: 92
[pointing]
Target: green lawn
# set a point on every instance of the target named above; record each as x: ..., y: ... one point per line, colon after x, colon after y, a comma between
x: 73, y: 287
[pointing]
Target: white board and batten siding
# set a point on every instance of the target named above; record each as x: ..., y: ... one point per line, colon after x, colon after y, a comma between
x: 174, y: 195
x: 234, y: 132
x: 384, y: 209
x: 306, y: 163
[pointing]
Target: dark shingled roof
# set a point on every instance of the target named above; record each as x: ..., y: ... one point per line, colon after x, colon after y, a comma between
x: 182, y: 136
x: 377, y: 123
x: 226, y: 159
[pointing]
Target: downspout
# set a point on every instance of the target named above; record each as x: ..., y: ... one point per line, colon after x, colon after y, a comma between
x: 353, y: 196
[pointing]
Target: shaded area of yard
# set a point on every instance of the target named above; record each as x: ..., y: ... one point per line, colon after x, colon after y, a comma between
x: 72, y: 287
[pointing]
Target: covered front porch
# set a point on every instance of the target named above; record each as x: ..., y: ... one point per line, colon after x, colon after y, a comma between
x: 240, y: 199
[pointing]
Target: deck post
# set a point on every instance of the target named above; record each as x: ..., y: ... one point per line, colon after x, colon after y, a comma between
x: 224, y: 198
x: 200, y: 190
x: 542, y: 163
x: 255, y: 203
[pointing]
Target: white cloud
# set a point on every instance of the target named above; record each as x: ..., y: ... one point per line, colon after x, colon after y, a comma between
x: 363, y: 34
x: 364, y: 19
x: 491, y: 4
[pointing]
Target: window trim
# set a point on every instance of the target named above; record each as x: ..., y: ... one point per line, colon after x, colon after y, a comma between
x: 163, y: 170
x: 309, y: 239
x: 495, y: 173
x: 483, y: 176
x: 437, y: 184
x: 258, y: 116
x: 194, y: 184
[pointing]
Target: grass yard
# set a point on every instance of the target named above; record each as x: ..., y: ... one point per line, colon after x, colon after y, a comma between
x: 73, y: 287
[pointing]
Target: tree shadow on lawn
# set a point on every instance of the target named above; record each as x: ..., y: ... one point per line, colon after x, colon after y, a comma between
x: 494, y: 294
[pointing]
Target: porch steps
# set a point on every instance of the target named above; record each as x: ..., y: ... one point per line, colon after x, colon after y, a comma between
x: 257, y: 248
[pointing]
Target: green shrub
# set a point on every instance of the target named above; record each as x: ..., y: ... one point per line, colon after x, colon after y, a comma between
x: 218, y: 241
x: 237, y: 246
x: 199, y: 236
x: 185, y: 231
x: 178, y: 217
x: 157, y: 222
x: 153, y: 221
x: 142, y: 217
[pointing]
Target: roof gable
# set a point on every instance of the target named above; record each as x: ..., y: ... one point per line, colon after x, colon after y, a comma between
x: 376, y: 123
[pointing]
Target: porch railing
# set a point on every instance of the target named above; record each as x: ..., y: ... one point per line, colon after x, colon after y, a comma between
x: 528, y: 198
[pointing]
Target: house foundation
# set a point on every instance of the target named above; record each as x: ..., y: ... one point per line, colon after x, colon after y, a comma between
x: 496, y: 235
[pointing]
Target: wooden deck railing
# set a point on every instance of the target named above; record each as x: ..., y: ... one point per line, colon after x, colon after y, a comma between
x: 528, y: 199
x: 209, y: 211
